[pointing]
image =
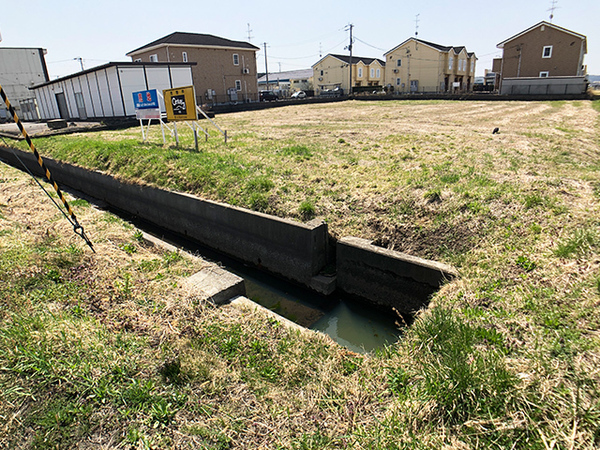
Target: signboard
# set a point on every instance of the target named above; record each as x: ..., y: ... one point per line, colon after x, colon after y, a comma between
x: 456, y: 84
x: 145, y: 114
x: 146, y: 99
x: 181, y: 103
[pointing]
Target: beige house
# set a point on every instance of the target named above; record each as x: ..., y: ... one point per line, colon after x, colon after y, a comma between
x: 225, y: 70
x: 544, y: 50
x: 421, y: 66
x: 332, y: 72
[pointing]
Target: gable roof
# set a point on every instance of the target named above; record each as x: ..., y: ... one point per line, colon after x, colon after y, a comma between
x: 544, y: 23
x: 441, y: 48
x: 355, y: 59
x: 194, y: 39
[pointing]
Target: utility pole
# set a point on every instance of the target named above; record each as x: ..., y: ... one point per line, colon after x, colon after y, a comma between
x: 266, y: 66
x: 350, y: 26
x: 80, y: 62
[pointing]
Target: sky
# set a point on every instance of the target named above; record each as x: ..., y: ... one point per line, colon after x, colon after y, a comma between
x: 296, y: 34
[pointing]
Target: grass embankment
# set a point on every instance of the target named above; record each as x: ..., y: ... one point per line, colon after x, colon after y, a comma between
x: 506, y: 357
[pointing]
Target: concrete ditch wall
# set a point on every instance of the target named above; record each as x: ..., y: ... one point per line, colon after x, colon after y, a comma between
x: 386, y: 277
x: 296, y: 251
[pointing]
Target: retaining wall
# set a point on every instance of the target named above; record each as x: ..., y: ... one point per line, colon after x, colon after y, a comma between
x: 386, y: 277
x: 296, y: 251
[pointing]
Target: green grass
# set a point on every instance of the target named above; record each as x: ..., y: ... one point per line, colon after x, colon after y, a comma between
x: 505, y: 357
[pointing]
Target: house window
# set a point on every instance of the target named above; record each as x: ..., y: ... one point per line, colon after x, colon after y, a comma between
x: 153, y: 58
x: 238, y: 85
x: 544, y: 74
x: 397, y: 81
x: 321, y: 73
x: 360, y: 72
x: 450, y: 61
x: 472, y: 65
x: 137, y: 60
x: 547, y: 52
x: 236, y: 59
x: 184, y: 56
x: 399, y: 63
x: 372, y: 73
x: 378, y: 72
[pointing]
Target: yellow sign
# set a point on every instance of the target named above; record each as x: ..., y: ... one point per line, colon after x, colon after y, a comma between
x: 181, y: 103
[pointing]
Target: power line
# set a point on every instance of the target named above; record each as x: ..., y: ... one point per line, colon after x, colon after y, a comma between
x: 366, y: 43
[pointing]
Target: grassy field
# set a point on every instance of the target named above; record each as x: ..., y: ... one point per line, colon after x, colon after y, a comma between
x: 507, y: 356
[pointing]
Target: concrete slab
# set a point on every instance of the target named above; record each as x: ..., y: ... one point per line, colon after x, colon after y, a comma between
x: 218, y: 285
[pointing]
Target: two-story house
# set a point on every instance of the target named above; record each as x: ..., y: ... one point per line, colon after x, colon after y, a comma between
x: 420, y: 66
x: 544, y: 59
x: 544, y: 50
x: 225, y: 70
x: 332, y: 71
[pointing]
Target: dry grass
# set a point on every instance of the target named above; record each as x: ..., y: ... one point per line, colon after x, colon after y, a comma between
x: 506, y: 357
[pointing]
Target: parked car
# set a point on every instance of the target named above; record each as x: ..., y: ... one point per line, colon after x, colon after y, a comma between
x: 267, y: 96
x: 299, y: 94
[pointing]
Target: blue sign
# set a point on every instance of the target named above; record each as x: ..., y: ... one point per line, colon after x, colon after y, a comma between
x: 146, y: 99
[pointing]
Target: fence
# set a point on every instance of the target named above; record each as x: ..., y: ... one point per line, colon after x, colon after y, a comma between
x: 544, y: 86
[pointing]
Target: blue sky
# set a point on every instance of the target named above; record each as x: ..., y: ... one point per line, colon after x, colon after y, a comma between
x: 296, y: 33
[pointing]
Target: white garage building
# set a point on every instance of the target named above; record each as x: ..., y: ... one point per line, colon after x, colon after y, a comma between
x: 105, y: 92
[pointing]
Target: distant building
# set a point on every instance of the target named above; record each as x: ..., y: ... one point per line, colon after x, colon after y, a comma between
x: 420, y: 66
x: 21, y: 68
x: 331, y: 72
x: 225, y: 70
x: 288, y: 81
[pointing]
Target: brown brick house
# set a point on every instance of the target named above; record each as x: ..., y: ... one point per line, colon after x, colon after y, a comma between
x: 544, y: 50
x: 225, y: 70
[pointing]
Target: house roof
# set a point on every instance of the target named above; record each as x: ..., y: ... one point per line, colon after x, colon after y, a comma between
x: 355, y: 59
x: 194, y: 39
x: 441, y: 48
x: 287, y: 76
x: 544, y: 23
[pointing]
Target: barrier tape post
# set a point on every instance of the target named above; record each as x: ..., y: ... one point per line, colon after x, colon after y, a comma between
x: 77, y: 228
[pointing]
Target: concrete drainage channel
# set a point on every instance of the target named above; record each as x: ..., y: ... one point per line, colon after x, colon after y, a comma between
x: 298, y: 252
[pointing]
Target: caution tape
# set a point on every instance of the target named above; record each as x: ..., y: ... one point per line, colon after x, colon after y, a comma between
x: 77, y: 228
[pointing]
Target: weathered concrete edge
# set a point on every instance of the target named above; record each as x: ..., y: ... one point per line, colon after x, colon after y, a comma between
x: 419, y: 269
x: 296, y: 251
x: 214, y: 283
x: 243, y: 302
x: 388, y: 278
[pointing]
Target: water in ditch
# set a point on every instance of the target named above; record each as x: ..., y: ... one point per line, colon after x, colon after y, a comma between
x: 354, y: 325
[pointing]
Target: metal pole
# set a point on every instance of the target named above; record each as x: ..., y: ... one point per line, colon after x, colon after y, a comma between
x: 162, y: 129
x: 350, y: 64
x: 195, y: 135
x: 142, y: 127
x: 266, y: 66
